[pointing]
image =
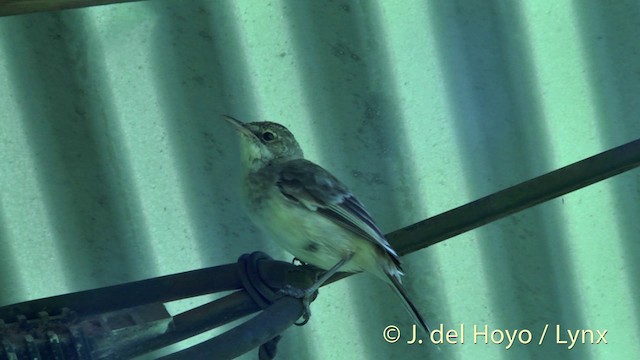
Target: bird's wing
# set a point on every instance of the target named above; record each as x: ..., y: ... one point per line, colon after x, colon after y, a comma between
x: 316, y: 189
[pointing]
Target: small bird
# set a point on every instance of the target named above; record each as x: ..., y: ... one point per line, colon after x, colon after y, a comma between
x: 310, y: 212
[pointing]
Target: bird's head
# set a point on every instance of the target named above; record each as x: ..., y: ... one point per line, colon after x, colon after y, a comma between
x: 265, y: 142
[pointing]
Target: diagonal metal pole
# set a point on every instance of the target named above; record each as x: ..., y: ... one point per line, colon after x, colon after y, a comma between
x: 18, y: 7
x: 516, y: 198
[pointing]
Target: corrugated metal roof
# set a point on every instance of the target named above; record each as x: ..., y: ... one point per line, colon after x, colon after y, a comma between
x: 115, y: 164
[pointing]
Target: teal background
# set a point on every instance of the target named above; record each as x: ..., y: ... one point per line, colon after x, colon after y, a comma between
x: 115, y: 164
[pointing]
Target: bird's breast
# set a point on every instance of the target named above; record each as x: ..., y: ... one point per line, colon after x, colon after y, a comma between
x: 308, y: 235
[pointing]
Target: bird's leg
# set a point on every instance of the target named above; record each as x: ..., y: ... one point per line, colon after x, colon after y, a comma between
x: 329, y: 273
x: 306, y: 294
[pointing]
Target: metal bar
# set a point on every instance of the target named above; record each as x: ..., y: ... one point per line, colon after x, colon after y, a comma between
x: 17, y: 7
x: 195, y: 321
x: 247, y: 336
x: 117, y: 297
x: 516, y: 198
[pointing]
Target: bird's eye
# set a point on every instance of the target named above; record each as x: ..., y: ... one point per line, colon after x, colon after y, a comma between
x: 268, y: 136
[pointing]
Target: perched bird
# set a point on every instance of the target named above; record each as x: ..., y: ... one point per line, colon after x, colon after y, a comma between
x: 310, y: 212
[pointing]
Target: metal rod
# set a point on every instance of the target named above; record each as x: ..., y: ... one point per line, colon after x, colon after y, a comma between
x: 17, y: 7
x: 247, y: 336
x: 195, y: 321
x: 111, y: 298
x: 516, y: 198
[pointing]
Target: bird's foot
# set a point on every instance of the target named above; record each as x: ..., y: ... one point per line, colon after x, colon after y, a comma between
x: 297, y: 261
x: 306, y: 295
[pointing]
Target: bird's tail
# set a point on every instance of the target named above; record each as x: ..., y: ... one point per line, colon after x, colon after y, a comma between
x: 411, y: 308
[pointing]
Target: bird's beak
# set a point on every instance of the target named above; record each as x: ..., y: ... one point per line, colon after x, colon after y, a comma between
x: 239, y: 125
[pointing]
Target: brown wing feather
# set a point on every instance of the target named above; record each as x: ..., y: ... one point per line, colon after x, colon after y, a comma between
x: 316, y: 189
